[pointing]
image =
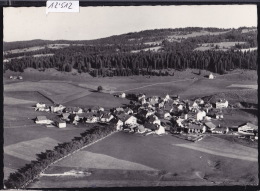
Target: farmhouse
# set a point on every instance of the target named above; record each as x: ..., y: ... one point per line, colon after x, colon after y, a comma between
x: 74, y: 118
x: 40, y: 105
x: 220, y: 130
x: 95, y: 109
x: 128, y: 120
x: 222, y: 103
x: 42, y: 120
x: 60, y: 124
x: 211, y: 126
x: 194, y: 128
x: 90, y: 118
x: 65, y: 116
x: 129, y: 111
x: 154, y: 120
x: 57, y: 108
x: 211, y: 76
x: 20, y: 77
x: 74, y: 110
x: 160, y: 130
x: 107, y: 117
x: 122, y: 95
x: 167, y: 98
x: 200, y: 115
x: 47, y: 109
x: 247, y: 128
x: 141, y: 96
x: 151, y: 126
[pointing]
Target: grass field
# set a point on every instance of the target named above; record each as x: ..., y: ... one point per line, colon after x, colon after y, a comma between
x: 20, y: 131
x: 174, y: 164
x: 221, y: 45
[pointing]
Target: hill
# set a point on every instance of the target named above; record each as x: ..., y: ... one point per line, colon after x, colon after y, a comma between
x: 147, y: 52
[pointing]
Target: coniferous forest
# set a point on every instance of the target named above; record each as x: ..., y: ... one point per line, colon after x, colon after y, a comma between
x: 129, y: 54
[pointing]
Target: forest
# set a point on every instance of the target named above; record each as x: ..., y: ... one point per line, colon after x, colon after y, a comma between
x: 114, y: 56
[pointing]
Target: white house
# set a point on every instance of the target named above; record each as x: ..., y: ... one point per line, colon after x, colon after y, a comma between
x: 57, y: 108
x: 193, y: 128
x: 167, y: 115
x: 42, y: 120
x: 160, y: 131
x: 119, y: 125
x: 130, y: 120
x: 122, y: 95
x: 167, y: 98
x: 211, y: 76
x: 106, y: 118
x: 129, y: 111
x: 60, y: 124
x: 40, y: 105
x: 20, y: 77
x: 141, y: 96
x: 220, y: 130
x: 222, y: 103
x: 247, y: 128
x: 200, y: 115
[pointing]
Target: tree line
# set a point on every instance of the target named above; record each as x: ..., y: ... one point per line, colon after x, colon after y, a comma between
x: 30, y: 171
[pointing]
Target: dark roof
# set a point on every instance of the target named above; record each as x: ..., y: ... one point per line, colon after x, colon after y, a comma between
x: 123, y: 117
x: 210, y: 125
x: 39, y: 118
x: 150, y: 126
x: 194, y: 126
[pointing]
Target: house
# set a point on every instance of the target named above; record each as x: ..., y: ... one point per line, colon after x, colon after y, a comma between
x: 128, y: 120
x: 215, y: 114
x: 129, y: 111
x: 20, y: 77
x: 47, y: 109
x: 107, y: 117
x: 220, y: 130
x: 166, y: 124
x: 154, y: 120
x: 160, y: 104
x: 141, y: 96
x: 151, y: 126
x: 211, y: 76
x: 194, y: 128
x: 222, y: 103
x: 200, y: 115
x: 11, y: 77
x: 247, y: 128
x: 65, y: 116
x: 160, y: 130
x: 74, y: 110
x: 119, y: 124
x: 95, y: 109
x: 153, y: 100
x: 57, y: 108
x: 60, y: 124
x: 40, y: 105
x: 90, y: 117
x: 211, y: 126
x: 160, y: 114
x: 74, y: 118
x: 145, y: 113
x: 179, y: 107
x: 42, y: 120
x: 179, y: 122
x: 167, y: 98
x: 199, y: 101
x: 167, y: 115
x: 122, y: 95
x: 142, y: 101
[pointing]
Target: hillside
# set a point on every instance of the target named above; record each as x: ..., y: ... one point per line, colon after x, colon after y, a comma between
x: 147, y: 52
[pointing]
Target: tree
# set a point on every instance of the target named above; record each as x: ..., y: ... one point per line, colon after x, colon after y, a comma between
x: 100, y: 88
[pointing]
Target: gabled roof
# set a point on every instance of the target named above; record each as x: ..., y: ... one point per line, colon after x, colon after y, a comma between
x: 150, y: 126
x: 194, y: 126
x: 123, y: 117
x: 249, y: 124
x: 40, y: 118
x: 210, y: 125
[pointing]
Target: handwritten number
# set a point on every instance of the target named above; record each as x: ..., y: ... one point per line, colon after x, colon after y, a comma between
x: 70, y: 6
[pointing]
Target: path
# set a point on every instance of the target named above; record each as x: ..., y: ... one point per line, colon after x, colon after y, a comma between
x: 152, y: 85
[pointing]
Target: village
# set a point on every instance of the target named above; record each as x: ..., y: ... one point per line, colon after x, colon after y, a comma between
x: 185, y: 119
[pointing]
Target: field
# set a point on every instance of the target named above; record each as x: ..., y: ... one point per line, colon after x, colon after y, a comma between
x: 156, y: 161
x: 222, y: 46
x: 155, y: 48
x: 73, y: 89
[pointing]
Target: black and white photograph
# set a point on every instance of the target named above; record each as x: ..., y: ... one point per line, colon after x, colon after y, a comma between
x: 130, y: 96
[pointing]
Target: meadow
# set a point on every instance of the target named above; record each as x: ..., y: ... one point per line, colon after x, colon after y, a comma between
x: 21, y: 133
x: 161, y: 157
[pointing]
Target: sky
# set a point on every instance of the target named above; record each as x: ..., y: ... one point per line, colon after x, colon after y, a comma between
x: 28, y: 23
